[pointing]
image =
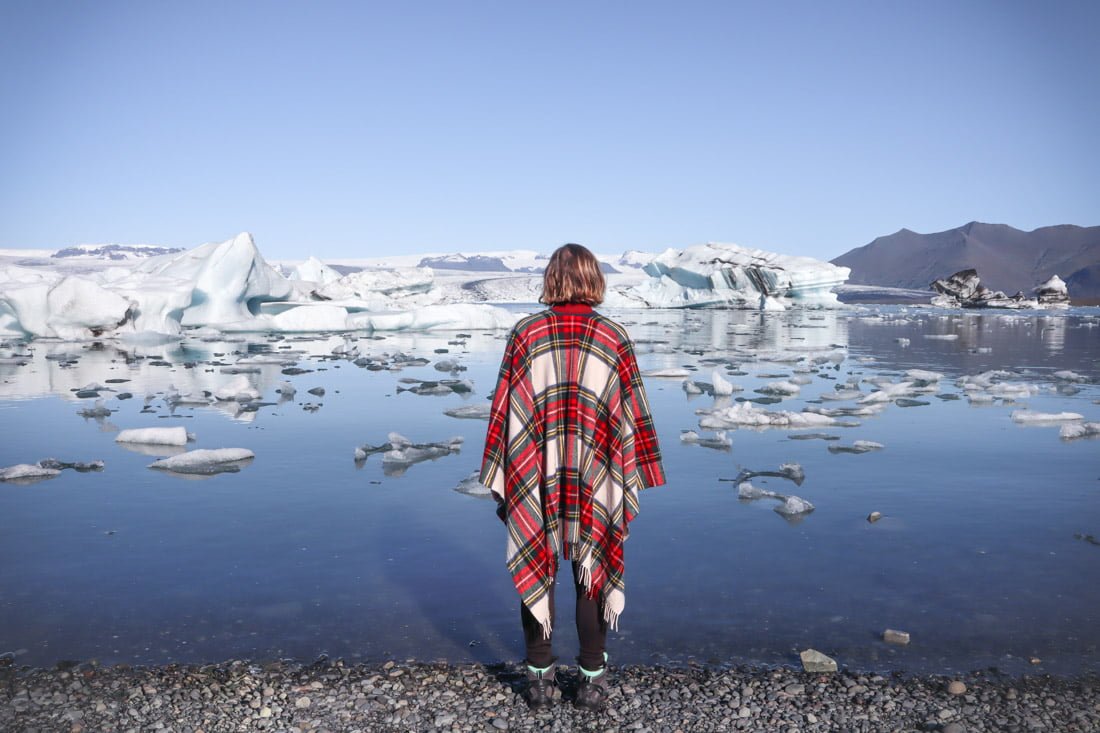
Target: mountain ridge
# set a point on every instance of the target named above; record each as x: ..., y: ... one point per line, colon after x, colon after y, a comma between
x: 1006, y: 258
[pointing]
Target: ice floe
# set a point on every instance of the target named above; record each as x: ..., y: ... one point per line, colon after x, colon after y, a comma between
x: 206, y: 461
x: 472, y: 486
x: 1072, y: 431
x: 477, y: 411
x: 155, y: 436
x: 27, y: 473
x: 720, y: 441
x: 745, y: 414
x: 859, y: 446
x: 1027, y: 416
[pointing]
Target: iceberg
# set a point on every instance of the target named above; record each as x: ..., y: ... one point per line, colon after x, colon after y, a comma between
x: 471, y: 486
x: 315, y: 271
x: 965, y: 290
x: 715, y: 274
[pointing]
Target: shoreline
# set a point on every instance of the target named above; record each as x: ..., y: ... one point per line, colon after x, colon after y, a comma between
x: 411, y: 695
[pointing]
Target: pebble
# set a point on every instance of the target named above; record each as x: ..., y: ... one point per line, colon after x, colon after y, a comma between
x: 333, y: 696
x: 893, y: 636
x: 955, y: 687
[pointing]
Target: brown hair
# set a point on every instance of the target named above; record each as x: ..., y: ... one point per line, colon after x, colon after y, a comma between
x: 573, y: 275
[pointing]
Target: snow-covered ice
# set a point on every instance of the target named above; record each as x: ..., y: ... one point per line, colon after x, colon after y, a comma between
x: 155, y: 436
x: 205, y: 461
x: 27, y: 473
x: 1027, y: 416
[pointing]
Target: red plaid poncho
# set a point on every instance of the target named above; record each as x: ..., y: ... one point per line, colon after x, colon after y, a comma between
x: 570, y: 443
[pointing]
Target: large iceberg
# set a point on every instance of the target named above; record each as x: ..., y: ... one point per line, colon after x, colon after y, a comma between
x: 716, y: 274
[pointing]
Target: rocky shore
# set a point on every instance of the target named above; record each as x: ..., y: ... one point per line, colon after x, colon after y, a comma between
x: 413, y: 696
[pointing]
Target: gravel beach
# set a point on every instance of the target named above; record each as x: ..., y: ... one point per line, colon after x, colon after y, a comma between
x: 414, y: 696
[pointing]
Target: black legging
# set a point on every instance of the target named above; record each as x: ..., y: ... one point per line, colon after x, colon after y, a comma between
x: 591, y: 628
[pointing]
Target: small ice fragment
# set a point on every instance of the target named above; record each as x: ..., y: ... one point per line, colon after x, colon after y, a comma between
x: 27, y: 473
x: 786, y: 388
x: 903, y: 342
x: 1066, y: 375
x: 1027, y: 416
x: 691, y: 387
x: 239, y: 389
x: 472, y: 486
x: 815, y: 661
x: 478, y: 411
x: 859, y: 446
x: 718, y: 442
x: 722, y: 386
x: 449, y: 365
x: 874, y: 517
x: 286, y: 389
x: 748, y: 492
x: 157, y: 436
x: 1072, y: 431
x: 205, y: 460
x: 941, y: 336
x: 794, y: 506
x: 923, y: 375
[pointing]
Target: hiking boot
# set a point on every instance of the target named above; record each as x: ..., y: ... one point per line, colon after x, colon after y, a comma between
x: 540, y: 687
x: 592, y: 690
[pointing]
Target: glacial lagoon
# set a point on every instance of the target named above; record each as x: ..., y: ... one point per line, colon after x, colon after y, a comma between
x: 987, y: 550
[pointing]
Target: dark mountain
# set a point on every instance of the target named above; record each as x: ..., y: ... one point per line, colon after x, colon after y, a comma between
x: 1006, y: 258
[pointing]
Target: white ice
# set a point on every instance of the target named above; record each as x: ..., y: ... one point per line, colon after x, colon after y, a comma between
x: 1027, y: 416
x: 727, y: 274
x: 157, y: 436
x: 203, y: 459
x: 26, y: 472
x: 1072, y: 431
x: 748, y: 415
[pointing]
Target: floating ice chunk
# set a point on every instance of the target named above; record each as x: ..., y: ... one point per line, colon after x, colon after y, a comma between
x: 1065, y: 375
x: 479, y: 411
x: 719, y: 442
x: 790, y: 471
x: 794, y: 506
x: 27, y: 473
x: 99, y: 409
x: 1008, y: 391
x: 286, y: 389
x: 859, y: 446
x: 785, y: 388
x: 747, y: 414
x: 888, y: 393
x: 941, y: 336
x: 472, y: 486
x: 1072, y: 431
x: 722, y: 386
x: 448, y: 365
x: 841, y: 394
x: 1027, y: 416
x: 923, y: 375
x: 156, y: 436
x: 691, y: 387
x: 668, y: 373
x: 903, y: 342
x: 78, y: 466
x: 748, y: 492
x: 206, y: 461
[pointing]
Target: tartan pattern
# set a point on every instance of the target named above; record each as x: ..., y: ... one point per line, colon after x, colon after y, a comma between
x: 570, y: 443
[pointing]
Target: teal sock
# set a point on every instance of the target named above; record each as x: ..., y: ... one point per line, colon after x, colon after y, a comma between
x: 540, y: 671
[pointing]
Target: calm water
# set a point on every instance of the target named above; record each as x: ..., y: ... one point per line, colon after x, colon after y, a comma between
x: 983, y: 553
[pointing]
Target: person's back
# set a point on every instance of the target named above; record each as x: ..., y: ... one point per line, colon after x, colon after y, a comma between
x: 570, y: 442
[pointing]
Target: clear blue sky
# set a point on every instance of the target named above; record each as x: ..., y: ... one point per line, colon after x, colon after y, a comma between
x: 360, y: 129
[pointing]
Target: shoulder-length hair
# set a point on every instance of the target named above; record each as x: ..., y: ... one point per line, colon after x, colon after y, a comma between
x: 573, y: 275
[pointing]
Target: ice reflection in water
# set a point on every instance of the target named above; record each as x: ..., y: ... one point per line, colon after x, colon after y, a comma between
x: 978, y: 552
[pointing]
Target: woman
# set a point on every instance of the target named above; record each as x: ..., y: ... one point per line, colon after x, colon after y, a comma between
x: 570, y: 443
